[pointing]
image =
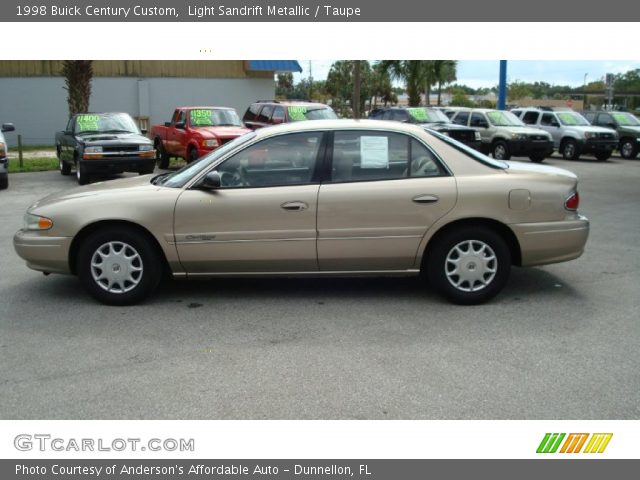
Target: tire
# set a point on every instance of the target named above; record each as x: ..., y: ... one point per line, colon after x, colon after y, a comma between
x: 4, y: 182
x: 162, y: 157
x: 603, y: 156
x: 145, y: 172
x: 628, y: 148
x: 500, y: 150
x: 469, y: 246
x: 193, y: 155
x: 82, y: 174
x: 65, y: 168
x: 537, y: 157
x: 128, y: 280
x: 570, y: 150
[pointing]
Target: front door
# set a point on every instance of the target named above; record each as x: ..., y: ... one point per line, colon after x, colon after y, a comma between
x: 262, y: 218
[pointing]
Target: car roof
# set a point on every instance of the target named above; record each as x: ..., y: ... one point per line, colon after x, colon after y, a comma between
x: 203, y: 107
x: 338, y: 124
x: 287, y: 103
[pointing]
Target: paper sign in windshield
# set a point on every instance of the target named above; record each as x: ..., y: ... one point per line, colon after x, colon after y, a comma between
x: 420, y: 114
x: 201, y: 118
x: 297, y: 113
x: 568, y: 118
x: 87, y: 122
x: 374, y: 152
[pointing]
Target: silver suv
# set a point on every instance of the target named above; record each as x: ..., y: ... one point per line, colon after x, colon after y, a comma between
x: 504, y: 135
x: 4, y: 162
x: 572, y: 134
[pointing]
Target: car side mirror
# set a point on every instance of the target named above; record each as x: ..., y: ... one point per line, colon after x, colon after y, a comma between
x: 143, y: 131
x: 8, y: 127
x: 211, y: 181
x: 167, y: 124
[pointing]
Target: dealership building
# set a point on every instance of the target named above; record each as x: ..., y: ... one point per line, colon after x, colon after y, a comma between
x: 33, y: 98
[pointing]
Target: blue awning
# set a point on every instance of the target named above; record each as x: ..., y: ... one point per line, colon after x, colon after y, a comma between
x: 274, y: 66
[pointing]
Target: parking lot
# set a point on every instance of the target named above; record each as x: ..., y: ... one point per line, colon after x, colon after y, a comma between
x: 560, y: 342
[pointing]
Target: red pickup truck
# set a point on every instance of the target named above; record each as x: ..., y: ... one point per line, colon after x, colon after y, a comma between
x: 194, y: 132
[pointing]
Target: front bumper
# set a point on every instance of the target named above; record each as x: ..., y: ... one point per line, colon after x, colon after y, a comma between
x: 117, y: 164
x: 551, y: 242
x: 43, y: 253
x: 524, y: 148
x: 597, y: 146
x: 4, y: 166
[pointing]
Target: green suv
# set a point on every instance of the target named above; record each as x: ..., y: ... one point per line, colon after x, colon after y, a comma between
x: 626, y: 124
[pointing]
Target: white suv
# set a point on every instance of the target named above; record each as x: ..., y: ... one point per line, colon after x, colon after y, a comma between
x: 4, y: 162
x: 572, y: 134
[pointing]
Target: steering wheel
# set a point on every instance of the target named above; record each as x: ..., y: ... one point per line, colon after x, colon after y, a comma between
x: 237, y: 178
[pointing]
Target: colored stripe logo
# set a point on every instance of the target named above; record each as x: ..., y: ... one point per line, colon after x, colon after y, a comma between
x: 574, y: 443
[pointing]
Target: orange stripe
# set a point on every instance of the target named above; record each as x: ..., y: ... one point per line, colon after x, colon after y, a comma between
x: 566, y: 443
x: 581, y: 443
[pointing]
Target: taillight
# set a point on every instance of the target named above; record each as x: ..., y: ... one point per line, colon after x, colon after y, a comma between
x: 572, y: 202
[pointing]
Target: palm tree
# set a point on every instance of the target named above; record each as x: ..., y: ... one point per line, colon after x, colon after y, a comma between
x: 78, y: 75
x: 444, y: 72
x: 412, y: 72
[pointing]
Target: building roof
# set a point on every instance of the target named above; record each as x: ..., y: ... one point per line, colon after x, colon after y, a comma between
x: 274, y: 66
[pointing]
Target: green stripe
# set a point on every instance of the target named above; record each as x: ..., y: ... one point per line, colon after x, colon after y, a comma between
x: 558, y: 442
x: 543, y: 443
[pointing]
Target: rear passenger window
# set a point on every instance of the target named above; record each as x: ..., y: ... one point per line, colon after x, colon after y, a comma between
x: 372, y: 155
x: 462, y: 118
x: 530, y: 118
x: 265, y: 114
x: 251, y: 112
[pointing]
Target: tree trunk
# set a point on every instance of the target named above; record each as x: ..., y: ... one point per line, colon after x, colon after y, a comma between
x: 439, y: 92
x: 78, y: 75
x: 355, y: 103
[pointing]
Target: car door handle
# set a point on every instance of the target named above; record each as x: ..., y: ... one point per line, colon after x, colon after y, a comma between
x: 425, y: 199
x: 294, y: 206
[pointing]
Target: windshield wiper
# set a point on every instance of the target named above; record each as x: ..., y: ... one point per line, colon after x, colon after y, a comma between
x: 159, y: 179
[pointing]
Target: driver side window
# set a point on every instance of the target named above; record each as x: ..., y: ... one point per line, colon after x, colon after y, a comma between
x: 277, y: 161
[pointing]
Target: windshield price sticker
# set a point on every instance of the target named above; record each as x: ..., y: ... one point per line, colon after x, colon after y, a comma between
x: 374, y: 152
x: 201, y: 117
x: 87, y: 122
x: 496, y: 117
x: 568, y: 118
x: 298, y: 113
x: 419, y: 114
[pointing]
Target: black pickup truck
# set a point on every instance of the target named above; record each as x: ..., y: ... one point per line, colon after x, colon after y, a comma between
x: 103, y: 143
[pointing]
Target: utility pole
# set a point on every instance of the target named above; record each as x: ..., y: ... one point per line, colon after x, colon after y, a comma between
x: 310, y: 82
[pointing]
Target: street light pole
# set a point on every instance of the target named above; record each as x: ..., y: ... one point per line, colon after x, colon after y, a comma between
x: 584, y: 92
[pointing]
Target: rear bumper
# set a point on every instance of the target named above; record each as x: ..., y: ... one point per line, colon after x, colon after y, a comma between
x: 551, y: 242
x: 119, y: 164
x: 42, y: 253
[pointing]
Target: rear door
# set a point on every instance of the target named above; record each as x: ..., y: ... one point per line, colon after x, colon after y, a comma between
x: 385, y: 190
x: 263, y: 218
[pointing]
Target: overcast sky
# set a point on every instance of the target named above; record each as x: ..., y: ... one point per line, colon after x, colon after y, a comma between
x: 484, y: 73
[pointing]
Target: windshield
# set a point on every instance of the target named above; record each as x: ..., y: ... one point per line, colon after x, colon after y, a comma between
x: 470, y: 152
x: 426, y: 115
x: 298, y: 113
x: 214, y: 117
x: 105, y: 123
x: 626, y: 119
x: 504, y: 119
x: 181, y: 177
x: 572, y: 118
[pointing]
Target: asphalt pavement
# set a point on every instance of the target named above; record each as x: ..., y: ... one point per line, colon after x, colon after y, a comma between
x: 560, y: 342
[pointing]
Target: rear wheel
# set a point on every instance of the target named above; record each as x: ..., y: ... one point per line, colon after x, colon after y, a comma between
x: 570, y: 150
x: 4, y: 181
x: 119, y: 266
x: 628, y: 148
x: 65, y: 168
x: 500, y: 150
x: 469, y: 265
x: 193, y: 155
x: 162, y: 157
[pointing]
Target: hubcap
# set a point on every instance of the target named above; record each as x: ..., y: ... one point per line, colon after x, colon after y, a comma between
x: 499, y: 152
x: 627, y: 149
x: 116, y: 267
x: 471, y: 265
x: 569, y: 150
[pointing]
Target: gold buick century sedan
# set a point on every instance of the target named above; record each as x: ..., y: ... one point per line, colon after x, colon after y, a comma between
x: 317, y: 198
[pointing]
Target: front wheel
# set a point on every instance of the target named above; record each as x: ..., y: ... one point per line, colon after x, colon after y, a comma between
x: 82, y: 174
x: 628, y: 148
x: 119, y: 266
x: 162, y: 157
x: 570, y: 150
x: 469, y: 265
x: 500, y: 150
x: 193, y: 155
x: 65, y: 168
x: 4, y: 181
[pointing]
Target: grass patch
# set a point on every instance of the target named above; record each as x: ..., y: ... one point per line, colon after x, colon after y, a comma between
x: 32, y: 148
x: 33, y: 165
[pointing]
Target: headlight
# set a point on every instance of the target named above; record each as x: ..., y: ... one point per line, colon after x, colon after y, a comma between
x: 210, y: 143
x: 590, y: 135
x: 145, y: 148
x: 518, y: 136
x: 36, y: 222
x: 477, y: 136
x: 93, y: 150
x: 3, y: 149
